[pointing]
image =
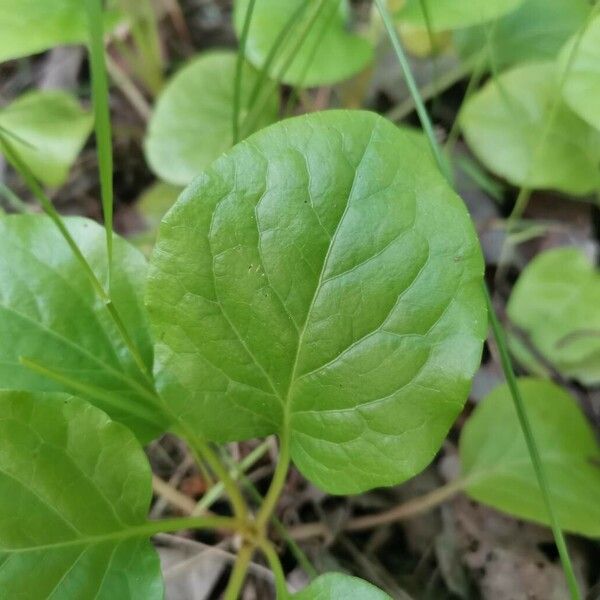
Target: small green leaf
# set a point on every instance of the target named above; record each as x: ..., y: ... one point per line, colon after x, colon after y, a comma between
x: 49, y: 129
x: 335, y: 586
x: 582, y: 87
x: 321, y: 280
x: 496, y: 462
x: 32, y: 26
x: 537, y: 30
x: 328, y: 54
x: 72, y: 485
x: 454, y: 14
x: 51, y: 316
x: 556, y: 303
x: 506, y: 126
x: 192, y: 122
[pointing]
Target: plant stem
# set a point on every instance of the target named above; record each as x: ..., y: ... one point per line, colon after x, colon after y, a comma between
x: 238, y: 575
x: 237, y: 90
x: 129, y: 89
x: 271, y: 555
x: 12, y: 199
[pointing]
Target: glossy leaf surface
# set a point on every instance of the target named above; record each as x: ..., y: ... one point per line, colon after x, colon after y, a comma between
x: 72, y: 484
x: 32, y: 26
x: 496, y: 461
x: 556, y: 303
x: 50, y: 314
x: 506, y: 126
x: 453, y: 14
x: 49, y: 129
x: 335, y: 586
x: 536, y: 30
x: 192, y: 122
x: 327, y: 54
x: 582, y: 86
x: 322, y: 281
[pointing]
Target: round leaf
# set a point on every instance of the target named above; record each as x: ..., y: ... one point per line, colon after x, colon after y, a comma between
x: 582, y: 86
x: 317, y: 281
x: 49, y: 129
x: 50, y: 314
x: 328, y: 53
x: 537, y: 30
x: 506, y: 126
x: 335, y: 586
x: 72, y: 485
x: 453, y: 14
x: 556, y: 303
x: 192, y: 122
x: 496, y: 462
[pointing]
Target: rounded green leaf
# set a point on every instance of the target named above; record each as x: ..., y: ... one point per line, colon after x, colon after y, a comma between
x: 51, y: 315
x: 506, y: 126
x: 32, y: 26
x: 556, y: 303
x: 582, y: 86
x: 335, y: 586
x: 328, y: 53
x: 322, y: 281
x: 192, y: 122
x: 49, y: 129
x: 73, y: 484
x: 537, y: 30
x: 454, y: 14
x: 496, y: 462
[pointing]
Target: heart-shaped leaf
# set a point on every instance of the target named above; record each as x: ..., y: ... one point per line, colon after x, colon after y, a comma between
x: 49, y: 129
x: 335, y: 586
x: 582, y: 85
x: 317, y: 48
x: 506, y: 126
x: 556, y: 303
x: 192, y: 122
x: 51, y: 316
x: 32, y: 26
x: 537, y: 30
x: 74, y: 489
x: 497, y: 465
x: 321, y: 281
x: 453, y: 14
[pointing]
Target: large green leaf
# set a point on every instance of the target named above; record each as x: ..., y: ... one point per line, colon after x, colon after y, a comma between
x: 556, y: 302
x: 537, y: 30
x: 32, y: 26
x: 50, y: 314
x: 321, y: 280
x: 497, y: 465
x: 49, y: 129
x: 582, y: 86
x: 72, y: 485
x: 453, y: 14
x: 192, y: 122
x: 506, y: 126
x: 328, y: 53
x: 335, y: 586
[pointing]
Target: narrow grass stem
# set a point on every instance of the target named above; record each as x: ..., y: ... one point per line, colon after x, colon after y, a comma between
x: 238, y: 575
x: 271, y: 555
x: 13, y: 200
x: 129, y: 89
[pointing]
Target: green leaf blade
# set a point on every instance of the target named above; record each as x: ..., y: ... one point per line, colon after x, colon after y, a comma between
x: 336, y: 586
x: 300, y: 286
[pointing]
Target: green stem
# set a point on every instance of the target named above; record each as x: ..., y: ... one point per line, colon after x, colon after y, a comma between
x: 13, y: 200
x: 271, y: 555
x: 238, y: 575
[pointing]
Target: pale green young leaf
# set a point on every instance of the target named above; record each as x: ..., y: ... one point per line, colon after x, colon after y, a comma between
x: 537, y: 30
x: 49, y: 129
x: 72, y: 485
x: 497, y: 465
x: 556, y: 304
x: 321, y: 281
x: 507, y: 125
x: 330, y: 52
x: 582, y: 86
x: 454, y: 14
x: 191, y: 124
x: 51, y: 315
x: 32, y: 26
x: 336, y: 586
